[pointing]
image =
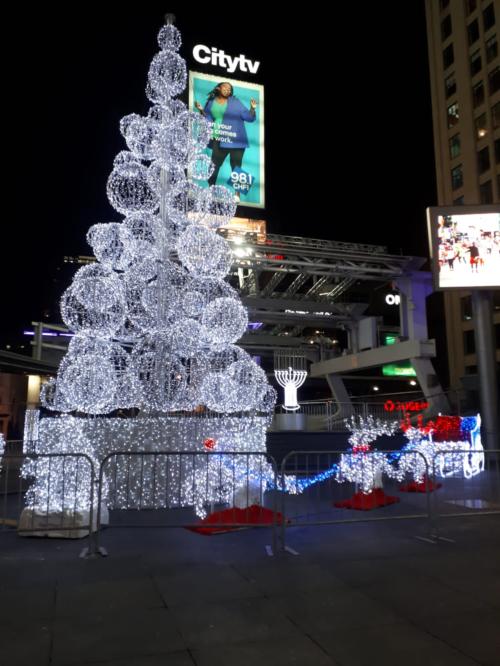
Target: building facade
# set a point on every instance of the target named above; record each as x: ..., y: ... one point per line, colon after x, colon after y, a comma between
x: 464, y: 65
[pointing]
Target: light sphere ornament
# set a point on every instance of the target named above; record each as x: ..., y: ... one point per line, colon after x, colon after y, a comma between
x: 169, y: 38
x: 163, y: 115
x: 141, y: 136
x: 98, y: 288
x: 128, y: 189
x: 199, y: 130
x: 219, y: 393
x: 203, y: 252
x: 251, y: 382
x: 188, y: 134
x: 51, y: 397
x: 167, y: 177
x: 142, y: 270
x: 201, y: 167
x: 225, y: 320
x: 144, y: 236
x: 221, y: 206
x: 167, y: 77
x: 89, y: 382
x: 193, y: 303
x: 268, y: 401
x: 94, y: 305
x: 219, y: 360
x: 160, y: 373
x: 188, y: 338
x: 196, y: 203
x: 162, y: 302
x: 111, y: 245
x: 160, y: 299
x: 202, y: 291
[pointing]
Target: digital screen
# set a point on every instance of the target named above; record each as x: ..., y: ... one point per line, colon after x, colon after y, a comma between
x: 465, y: 247
x: 235, y: 111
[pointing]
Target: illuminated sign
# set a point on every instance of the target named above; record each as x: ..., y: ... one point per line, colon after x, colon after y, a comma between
x: 393, y: 299
x: 404, y: 369
x: 398, y: 370
x: 465, y: 246
x: 411, y: 406
x: 218, y: 58
x: 235, y: 111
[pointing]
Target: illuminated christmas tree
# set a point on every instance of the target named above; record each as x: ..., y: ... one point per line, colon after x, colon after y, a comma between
x: 154, y: 321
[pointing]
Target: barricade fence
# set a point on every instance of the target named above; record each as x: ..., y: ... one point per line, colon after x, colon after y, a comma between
x: 326, y: 488
x: 230, y: 490
x: 469, y: 482
x: 47, y: 494
x: 60, y: 494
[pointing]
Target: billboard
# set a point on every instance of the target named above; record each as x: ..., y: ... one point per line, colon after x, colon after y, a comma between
x: 465, y: 246
x: 235, y: 110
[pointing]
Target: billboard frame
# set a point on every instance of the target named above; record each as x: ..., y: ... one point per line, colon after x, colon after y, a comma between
x: 433, y: 212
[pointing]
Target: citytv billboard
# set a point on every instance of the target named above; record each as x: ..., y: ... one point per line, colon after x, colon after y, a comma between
x: 465, y: 246
x: 237, y: 142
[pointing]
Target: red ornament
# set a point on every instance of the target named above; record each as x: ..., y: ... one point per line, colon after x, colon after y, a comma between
x: 209, y: 443
x: 361, y: 448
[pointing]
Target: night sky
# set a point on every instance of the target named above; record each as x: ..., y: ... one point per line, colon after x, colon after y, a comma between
x: 348, y: 127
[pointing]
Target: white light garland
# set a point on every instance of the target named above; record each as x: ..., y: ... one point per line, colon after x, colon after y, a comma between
x: 146, y: 481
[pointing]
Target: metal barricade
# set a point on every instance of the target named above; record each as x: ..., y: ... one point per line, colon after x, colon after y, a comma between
x: 469, y: 483
x: 198, y: 490
x: 47, y: 494
x: 321, y: 488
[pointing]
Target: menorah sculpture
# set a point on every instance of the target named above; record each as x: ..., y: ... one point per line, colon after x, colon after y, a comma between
x: 290, y: 372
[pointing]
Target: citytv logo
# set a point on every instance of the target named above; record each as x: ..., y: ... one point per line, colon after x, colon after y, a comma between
x: 206, y: 54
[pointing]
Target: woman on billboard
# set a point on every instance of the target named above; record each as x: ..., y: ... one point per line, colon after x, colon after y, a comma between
x: 229, y: 136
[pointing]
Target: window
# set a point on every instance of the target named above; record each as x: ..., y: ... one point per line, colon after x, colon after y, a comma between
x: 475, y: 63
x: 481, y: 126
x: 454, y: 146
x: 466, y: 307
x: 483, y: 160
x: 497, y: 151
x: 494, y: 80
x: 491, y: 48
x: 495, y: 115
x: 470, y: 6
x: 488, y: 17
x: 459, y: 201
x: 473, y: 32
x: 469, y: 342
x: 446, y: 27
x: 450, y: 86
x: 448, y: 56
x: 478, y: 94
x: 456, y: 177
x: 486, y: 192
x: 453, y: 116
